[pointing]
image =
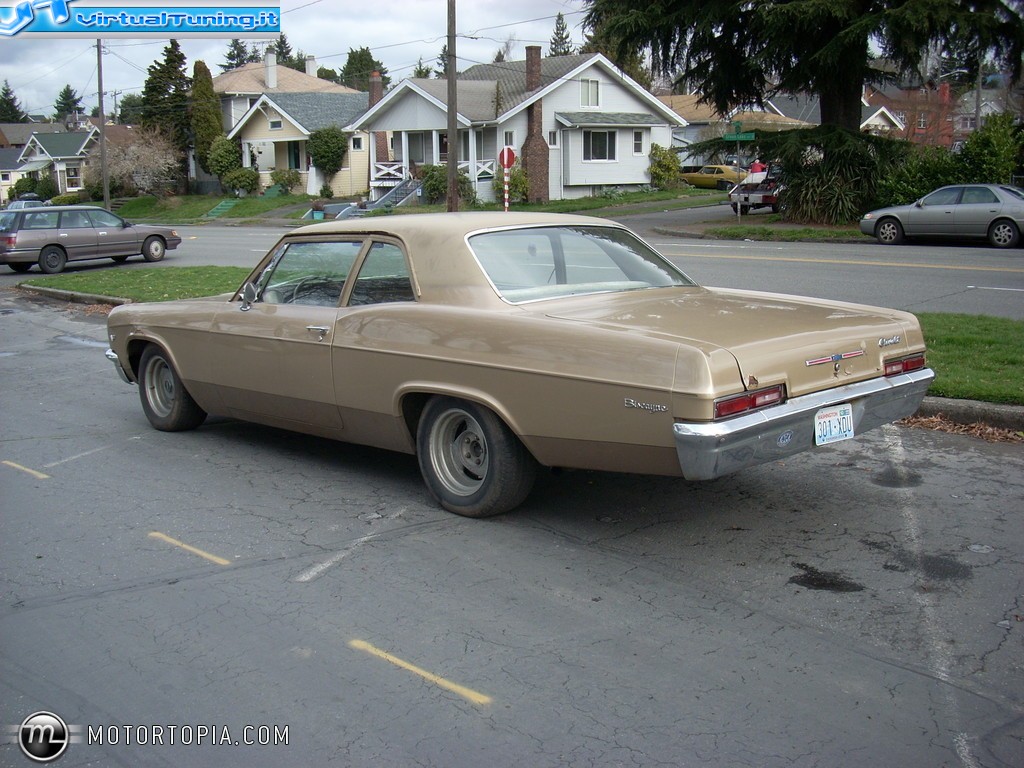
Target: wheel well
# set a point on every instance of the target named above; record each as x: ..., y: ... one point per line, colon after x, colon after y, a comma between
x: 412, y: 409
x: 135, y: 350
x: 1004, y: 219
x: 413, y: 404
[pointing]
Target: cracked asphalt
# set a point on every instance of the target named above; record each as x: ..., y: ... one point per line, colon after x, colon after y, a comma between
x: 860, y: 605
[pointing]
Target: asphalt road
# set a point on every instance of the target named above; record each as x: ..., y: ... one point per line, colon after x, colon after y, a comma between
x: 860, y: 605
x: 973, y: 279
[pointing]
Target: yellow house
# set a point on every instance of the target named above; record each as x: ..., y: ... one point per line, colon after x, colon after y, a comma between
x: 275, y: 130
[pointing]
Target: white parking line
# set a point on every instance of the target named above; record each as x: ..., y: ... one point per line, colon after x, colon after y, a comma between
x: 989, y: 288
x: 320, y: 569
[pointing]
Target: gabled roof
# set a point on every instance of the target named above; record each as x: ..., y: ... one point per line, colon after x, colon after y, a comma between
x: 10, y: 159
x: 18, y: 134
x: 251, y: 80
x: 689, y: 107
x: 607, y: 119
x: 310, y: 111
x: 61, y: 145
x: 489, y: 93
x: 807, y: 107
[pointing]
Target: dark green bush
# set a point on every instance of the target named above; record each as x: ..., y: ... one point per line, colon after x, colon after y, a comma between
x: 242, y: 179
x: 435, y: 185
x: 288, y: 178
x: 518, y: 185
x: 47, y: 188
x: 665, y: 168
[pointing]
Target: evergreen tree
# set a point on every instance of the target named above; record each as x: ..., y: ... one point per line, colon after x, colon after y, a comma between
x: 442, y: 63
x: 237, y: 55
x: 283, y: 49
x: 421, y: 69
x: 631, y: 62
x: 10, y: 109
x: 561, y: 41
x: 326, y: 73
x: 129, y: 109
x: 205, y: 108
x: 165, y: 97
x: 68, y: 103
x: 359, y: 65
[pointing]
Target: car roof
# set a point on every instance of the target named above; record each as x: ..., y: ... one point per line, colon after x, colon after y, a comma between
x: 450, y: 224
x: 73, y: 208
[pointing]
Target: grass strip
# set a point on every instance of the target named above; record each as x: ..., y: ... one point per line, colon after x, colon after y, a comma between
x: 148, y: 283
x: 802, y: 234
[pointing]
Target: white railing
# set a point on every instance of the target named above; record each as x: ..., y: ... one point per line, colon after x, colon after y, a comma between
x: 394, y: 172
x: 388, y: 172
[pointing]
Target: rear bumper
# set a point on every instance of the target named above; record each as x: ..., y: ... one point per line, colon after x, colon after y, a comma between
x: 712, y: 449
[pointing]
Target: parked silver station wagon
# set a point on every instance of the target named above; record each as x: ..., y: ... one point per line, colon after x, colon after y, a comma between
x: 52, y: 236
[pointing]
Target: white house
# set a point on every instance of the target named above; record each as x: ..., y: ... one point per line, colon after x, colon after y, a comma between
x: 578, y: 124
x: 62, y: 155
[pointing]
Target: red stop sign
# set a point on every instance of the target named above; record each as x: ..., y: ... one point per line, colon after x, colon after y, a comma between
x: 507, y: 157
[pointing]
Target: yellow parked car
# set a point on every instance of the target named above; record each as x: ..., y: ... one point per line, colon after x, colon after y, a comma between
x: 715, y: 177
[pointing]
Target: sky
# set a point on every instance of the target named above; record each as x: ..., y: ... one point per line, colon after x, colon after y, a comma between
x: 397, y: 32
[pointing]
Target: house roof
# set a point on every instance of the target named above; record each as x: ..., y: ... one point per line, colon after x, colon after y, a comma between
x: 607, y: 119
x: 57, y: 145
x: 18, y: 134
x: 10, y: 159
x: 691, y: 108
x: 251, y: 79
x: 311, y: 111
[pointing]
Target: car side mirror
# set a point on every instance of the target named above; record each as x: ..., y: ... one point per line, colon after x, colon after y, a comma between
x: 919, y: 204
x: 248, y: 296
x: 125, y: 224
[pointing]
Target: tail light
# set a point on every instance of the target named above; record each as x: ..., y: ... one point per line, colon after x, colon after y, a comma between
x: 904, y: 365
x: 749, y: 401
x: 9, y: 240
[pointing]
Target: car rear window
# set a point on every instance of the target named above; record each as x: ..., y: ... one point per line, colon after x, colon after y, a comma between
x: 40, y: 220
x: 6, y: 221
x: 1015, y: 191
x: 549, y: 262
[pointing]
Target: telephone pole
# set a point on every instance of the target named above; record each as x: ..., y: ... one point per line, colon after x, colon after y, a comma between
x: 453, y: 114
x: 103, y: 127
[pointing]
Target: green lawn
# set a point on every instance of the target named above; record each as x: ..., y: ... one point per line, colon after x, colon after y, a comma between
x: 192, y: 208
x: 975, y: 357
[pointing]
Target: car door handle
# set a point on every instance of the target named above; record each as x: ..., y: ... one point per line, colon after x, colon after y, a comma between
x: 63, y: 234
x: 321, y: 330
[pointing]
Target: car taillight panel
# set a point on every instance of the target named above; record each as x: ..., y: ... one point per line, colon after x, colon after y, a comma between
x: 904, y: 365
x: 749, y: 401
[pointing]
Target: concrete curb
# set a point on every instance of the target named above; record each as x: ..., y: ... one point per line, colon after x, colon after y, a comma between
x: 704, y: 236
x: 73, y: 296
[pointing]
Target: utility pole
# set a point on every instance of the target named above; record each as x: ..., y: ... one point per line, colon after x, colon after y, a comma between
x: 103, y: 127
x: 453, y: 113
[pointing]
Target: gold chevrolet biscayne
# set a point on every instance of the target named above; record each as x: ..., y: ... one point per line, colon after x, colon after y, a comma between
x: 493, y: 344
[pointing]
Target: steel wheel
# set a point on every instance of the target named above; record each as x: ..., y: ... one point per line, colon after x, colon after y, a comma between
x: 471, y: 462
x: 52, y: 260
x: 153, y: 249
x: 889, y: 232
x: 165, y: 401
x: 1003, y: 234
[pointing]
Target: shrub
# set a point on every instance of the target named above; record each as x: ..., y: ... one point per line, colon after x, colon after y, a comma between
x: 47, y: 188
x: 288, y: 178
x: 921, y: 170
x: 23, y: 185
x: 326, y: 192
x: 435, y: 185
x: 518, y: 185
x: 225, y: 156
x: 665, y: 168
x: 70, y: 198
x: 990, y: 154
x: 328, y: 146
x: 242, y: 180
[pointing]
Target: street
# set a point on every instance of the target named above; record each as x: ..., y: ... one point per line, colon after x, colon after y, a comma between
x: 858, y: 605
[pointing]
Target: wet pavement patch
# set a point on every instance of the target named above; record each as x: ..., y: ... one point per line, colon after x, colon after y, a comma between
x: 934, y: 567
x: 830, y: 581
x: 897, y: 477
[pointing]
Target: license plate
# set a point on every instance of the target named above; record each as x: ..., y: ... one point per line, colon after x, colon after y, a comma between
x: 833, y: 424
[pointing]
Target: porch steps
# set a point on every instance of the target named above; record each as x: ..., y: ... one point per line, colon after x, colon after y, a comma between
x: 275, y: 190
x: 220, y: 209
x: 395, y: 196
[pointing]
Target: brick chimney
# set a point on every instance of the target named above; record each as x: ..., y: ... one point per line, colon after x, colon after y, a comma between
x: 380, y: 138
x: 270, y: 69
x: 311, y: 66
x: 535, y: 148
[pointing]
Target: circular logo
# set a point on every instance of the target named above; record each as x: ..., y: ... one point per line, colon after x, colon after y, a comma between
x: 784, y: 439
x: 43, y: 737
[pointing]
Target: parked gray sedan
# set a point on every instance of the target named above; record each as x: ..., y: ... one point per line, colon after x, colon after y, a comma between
x: 963, y: 211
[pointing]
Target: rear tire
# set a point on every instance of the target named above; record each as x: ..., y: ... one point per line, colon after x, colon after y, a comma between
x: 21, y: 267
x: 471, y: 462
x: 119, y: 259
x: 889, y: 232
x: 52, y: 260
x: 1003, y: 234
x: 165, y: 401
x: 153, y: 249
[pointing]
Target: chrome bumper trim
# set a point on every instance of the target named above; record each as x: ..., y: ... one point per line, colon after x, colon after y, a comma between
x: 112, y: 357
x: 708, y: 450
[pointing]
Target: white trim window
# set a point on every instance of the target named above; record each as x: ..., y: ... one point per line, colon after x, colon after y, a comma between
x: 599, y: 146
x: 922, y: 120
x: 590, y: 93
x: 553, y: 139
x: 638, y: 142
x: 510, y: 139
x: 357, y: 143
x: 276, y: 123
x: 73, y: 174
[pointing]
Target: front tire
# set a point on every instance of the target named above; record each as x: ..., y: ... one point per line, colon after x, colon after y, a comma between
x: 153, y: 249
x: 471, y: 462
x: 165, y: 401
x: 52, y: 260
x: 1003, y: 234
x: 889, y: 232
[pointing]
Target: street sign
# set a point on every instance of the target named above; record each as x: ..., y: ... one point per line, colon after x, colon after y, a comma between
x: 507, y: 157
x: 748, y: 136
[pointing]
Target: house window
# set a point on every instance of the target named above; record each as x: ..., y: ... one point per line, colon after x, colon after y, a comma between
x: 599, y: 145
x: 509, y: 139
x: 590, y: 93
x: 553, y: 139
x: 638, y: 142
x: 922, y: 120
x: 902, y: 117
x: 5, y: 176
x: 357, y: 143
x: 968, y: 123
x: 275, y: 125
x: 294, y: 155
x: 74, y: 177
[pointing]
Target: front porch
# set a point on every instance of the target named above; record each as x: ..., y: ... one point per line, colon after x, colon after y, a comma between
x: 412, y: 149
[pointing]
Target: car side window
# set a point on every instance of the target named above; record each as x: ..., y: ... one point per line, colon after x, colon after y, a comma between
x: 383, y: 277
x: 101, y: 218
x: 74, y: 220
x: 40, y: 220
x: 946, y: 196
x: 309, y: 273
x: 979, y: 195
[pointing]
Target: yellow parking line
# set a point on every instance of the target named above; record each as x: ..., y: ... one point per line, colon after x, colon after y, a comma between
x: 843, y: 262
x: 467, y: 693
x: 36, y: 475
x: 189, y: 548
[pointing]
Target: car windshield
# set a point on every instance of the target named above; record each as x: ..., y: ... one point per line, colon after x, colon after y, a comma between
x: 551, y: 262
